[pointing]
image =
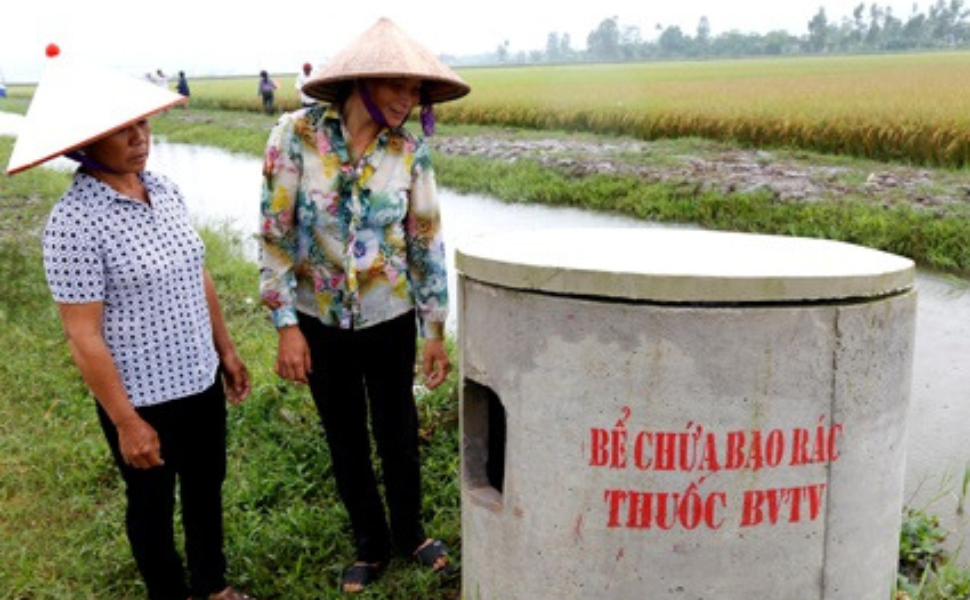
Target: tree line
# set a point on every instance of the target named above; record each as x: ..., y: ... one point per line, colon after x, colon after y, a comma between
x: 869, y: 28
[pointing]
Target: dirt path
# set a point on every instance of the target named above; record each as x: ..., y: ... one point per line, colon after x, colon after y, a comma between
x: 788, y: 175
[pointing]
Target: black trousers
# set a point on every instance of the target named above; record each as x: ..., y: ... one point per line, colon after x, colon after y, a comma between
x: 192, y: 431
x: 371, y: 372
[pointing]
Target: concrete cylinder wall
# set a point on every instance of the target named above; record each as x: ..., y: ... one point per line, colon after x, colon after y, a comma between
x: 618, y: 447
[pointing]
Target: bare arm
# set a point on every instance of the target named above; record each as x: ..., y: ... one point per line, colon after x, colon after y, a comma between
x: 137, y: 440
x: 234, y: 371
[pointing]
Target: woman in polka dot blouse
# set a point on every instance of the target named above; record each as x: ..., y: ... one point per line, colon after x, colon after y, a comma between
x: 142, y: 319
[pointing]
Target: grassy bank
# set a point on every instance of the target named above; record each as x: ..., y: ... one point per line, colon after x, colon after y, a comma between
x: 936, y: 237
x: 61, y: 508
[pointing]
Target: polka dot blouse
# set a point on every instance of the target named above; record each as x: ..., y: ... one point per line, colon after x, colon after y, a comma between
x: 145, y: 264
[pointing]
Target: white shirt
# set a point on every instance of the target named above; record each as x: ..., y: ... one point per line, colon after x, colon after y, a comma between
x: 302, y: 78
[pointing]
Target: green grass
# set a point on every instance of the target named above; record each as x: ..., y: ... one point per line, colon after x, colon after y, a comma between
x: 234, y: 131
x: 926, y: 569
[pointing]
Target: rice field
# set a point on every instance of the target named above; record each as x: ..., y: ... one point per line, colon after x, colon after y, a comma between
x: 912, y: 108
x: 907, y: 107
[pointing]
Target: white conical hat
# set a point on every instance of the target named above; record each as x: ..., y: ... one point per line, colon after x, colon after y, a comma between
x: 386, y: 50
x: 77, y: 103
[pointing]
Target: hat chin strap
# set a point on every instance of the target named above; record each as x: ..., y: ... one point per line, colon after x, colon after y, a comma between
x: 370, y: 105
x: 88, y: 162
x: 427, y: 120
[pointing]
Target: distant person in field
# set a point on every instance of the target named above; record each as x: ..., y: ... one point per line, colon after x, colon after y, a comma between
x: 267, y: 91
x: 161, y: 78
x: 353, y: 269
x: 183, y: 88
x: 142, y: 320
x: 301, y: 79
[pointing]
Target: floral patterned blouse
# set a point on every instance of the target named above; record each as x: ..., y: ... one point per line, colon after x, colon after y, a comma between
x: 351, y: 244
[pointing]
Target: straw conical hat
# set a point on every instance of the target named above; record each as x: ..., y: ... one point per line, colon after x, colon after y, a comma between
x: 77, y: 103
x: 386, y: 50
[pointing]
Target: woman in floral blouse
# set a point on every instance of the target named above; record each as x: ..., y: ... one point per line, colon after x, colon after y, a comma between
x: 353, y: 269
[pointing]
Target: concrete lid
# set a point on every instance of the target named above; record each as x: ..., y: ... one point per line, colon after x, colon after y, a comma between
x: 682, y: 266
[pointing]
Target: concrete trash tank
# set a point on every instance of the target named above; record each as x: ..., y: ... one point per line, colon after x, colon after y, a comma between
x: 674, y: 414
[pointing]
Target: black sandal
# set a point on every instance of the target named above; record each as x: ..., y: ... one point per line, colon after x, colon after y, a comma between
x: 434, y: 554
x: 360, y: 575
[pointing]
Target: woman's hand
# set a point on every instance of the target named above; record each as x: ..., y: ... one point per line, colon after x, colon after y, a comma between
x: 235, y: 377
x: 139, y: 444
x: 436, y: 363
x: 292, y: 355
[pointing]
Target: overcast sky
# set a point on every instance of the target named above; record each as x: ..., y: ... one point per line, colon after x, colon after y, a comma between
x: 206, y: 37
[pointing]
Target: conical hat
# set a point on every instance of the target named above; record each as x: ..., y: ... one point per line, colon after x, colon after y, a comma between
x: 77, y: 103
x: 386, y: 50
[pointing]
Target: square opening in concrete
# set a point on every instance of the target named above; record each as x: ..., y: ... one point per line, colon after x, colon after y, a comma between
x: 483, y: 440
